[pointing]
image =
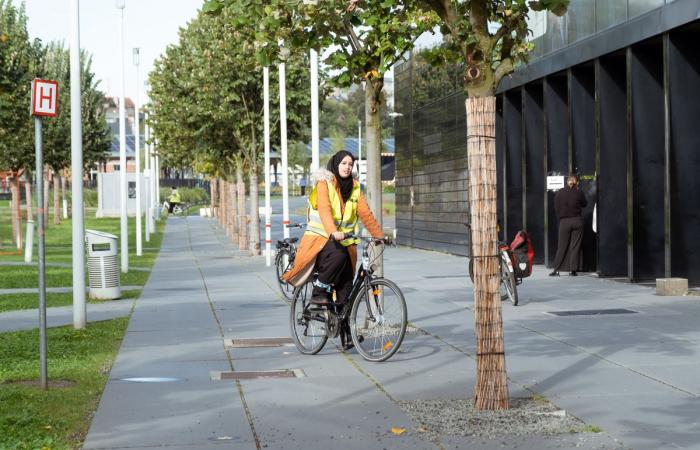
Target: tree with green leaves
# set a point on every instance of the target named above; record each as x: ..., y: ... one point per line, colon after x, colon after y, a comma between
x: 19, y: 59
x: 207, y: 104
x: 487, y: 56
x: 57, y: 131
x: 362, y: 41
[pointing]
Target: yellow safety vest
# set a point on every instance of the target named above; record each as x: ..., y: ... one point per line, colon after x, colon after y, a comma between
x: 346, y: 221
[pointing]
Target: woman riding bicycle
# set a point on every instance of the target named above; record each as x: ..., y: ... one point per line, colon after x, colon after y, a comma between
x: 335, y: 205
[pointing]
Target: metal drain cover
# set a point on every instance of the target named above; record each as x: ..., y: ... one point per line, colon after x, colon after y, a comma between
x: 152, y: 379
x: 592, y: 312
x: 257, y: 374
x: 258, y: 342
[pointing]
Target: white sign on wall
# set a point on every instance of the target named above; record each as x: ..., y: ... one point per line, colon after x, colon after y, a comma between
x: 555, y: 182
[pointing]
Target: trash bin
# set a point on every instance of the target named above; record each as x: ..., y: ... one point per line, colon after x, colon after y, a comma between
x: 103, y: 265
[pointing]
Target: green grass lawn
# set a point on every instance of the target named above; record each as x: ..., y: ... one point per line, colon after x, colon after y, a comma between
x: 58, y: 250
x: 15, y: 302
x: 78, y: 360
x: 78, y: 366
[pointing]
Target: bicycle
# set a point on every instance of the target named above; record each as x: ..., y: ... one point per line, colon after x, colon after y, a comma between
x: 284, y: 261
x: 375, y: 309
x: 179, y: 209
x: 507, y: 274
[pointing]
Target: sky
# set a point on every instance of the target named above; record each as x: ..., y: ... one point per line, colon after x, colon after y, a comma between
x: 150, y: 25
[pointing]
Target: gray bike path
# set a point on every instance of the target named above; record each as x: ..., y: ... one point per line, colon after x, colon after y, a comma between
x: 636, y: 376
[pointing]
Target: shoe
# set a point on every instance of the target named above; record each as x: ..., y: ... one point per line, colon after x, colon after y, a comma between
x: 348, y: 346
x: 554, y: 274
x: 573, y: 274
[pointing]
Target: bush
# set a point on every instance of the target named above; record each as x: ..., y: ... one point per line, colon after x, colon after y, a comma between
x: 197, y: 196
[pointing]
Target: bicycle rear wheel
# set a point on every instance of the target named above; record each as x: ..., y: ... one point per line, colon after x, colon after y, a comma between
x: 378, y: 320
x: 307, y: 322
x: 508, y: 285
x: 284, y: 261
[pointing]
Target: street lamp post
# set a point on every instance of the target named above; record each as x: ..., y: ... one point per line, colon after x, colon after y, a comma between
x: 78, y: 225
x: 120, y: 4
x: 137, y: 156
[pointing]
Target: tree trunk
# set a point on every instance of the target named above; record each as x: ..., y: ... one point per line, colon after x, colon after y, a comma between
x: 56, y: 198
x: 46, y: 198
x: 213, y: 185
x: 222, y: 203
x: 242, y: 220
x: 28, y: 199
x: 16, y: 212
x: 233, y: 195
x: 373, y: 133
x: 254, y: 213
x: 491, y: 389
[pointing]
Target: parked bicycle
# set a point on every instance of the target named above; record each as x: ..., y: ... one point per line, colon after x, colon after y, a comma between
x: 514, y: 265
x: 375, y: 309
x: 284, y: 261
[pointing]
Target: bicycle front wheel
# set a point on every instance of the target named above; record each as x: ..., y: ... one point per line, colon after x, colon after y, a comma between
x: 283, y: 263
x: 378, y: 320
x: 307, y: 322
x: 508, y: 285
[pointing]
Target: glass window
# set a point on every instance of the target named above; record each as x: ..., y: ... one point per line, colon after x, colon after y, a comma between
x: 637, y: 7
x: 581, y: 20
x: 556, y: 36
x: 609, y: 13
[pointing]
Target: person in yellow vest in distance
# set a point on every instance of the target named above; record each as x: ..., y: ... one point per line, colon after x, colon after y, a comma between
x: 173, y: 199
x: 336, y: 205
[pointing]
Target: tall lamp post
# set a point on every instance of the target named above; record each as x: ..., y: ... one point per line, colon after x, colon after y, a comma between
x: 137, y: 156
x: 78, y: 226
x: 122, y: 146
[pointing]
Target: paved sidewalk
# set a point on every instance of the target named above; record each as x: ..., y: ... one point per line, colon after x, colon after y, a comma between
x: 636, y: 376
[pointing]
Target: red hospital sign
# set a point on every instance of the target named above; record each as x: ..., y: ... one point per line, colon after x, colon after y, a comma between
x: 44, y: 98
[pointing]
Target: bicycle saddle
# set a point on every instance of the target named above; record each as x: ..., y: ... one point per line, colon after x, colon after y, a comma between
x: 288, y: 240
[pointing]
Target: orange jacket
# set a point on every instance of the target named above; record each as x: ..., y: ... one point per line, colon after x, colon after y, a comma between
x: 312, y: 244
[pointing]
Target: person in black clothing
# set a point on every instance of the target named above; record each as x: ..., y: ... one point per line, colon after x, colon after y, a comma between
x: 568, y: 204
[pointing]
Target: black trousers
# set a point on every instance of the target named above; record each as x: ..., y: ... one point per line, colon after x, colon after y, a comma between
x: 569, y: 245
x: 333, y: 266
x: 172, y: 205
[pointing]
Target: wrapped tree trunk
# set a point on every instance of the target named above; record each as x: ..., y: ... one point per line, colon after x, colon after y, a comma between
x: 28, y: 195
x: 213, y: 187
x: 242, y: 220
x: 233, y: 196
x: 222, y: 204
x: 16, y: 212
x: 254, y: 214
x: 491, y: 382
x: 56, y: 198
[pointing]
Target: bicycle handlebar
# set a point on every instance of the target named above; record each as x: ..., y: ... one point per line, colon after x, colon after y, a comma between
x: 295, y: 225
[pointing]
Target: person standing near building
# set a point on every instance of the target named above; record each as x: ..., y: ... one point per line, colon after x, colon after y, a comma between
x: 568, y: 204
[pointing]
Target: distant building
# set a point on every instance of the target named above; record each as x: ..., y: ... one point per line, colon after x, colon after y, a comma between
x: 111, y: 109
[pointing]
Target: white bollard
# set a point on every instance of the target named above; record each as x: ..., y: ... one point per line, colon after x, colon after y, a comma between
x: 29, y: 241
x: 65, y: 208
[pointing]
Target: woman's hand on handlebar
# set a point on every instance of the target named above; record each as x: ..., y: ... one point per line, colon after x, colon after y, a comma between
x: 338, y: 236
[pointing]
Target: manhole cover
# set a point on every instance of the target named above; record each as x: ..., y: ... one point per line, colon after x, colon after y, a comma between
x: 152, y: 379
x: 592, y: 312
x: 253, y: 375
x: 259, y: 342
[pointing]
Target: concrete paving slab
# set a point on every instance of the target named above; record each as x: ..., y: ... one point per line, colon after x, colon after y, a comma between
x: 174, y: 414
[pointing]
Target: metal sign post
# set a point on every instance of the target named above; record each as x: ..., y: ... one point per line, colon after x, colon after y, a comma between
x: 44, y: 104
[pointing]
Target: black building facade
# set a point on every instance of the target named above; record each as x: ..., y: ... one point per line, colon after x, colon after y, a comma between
x: 616, y: 100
